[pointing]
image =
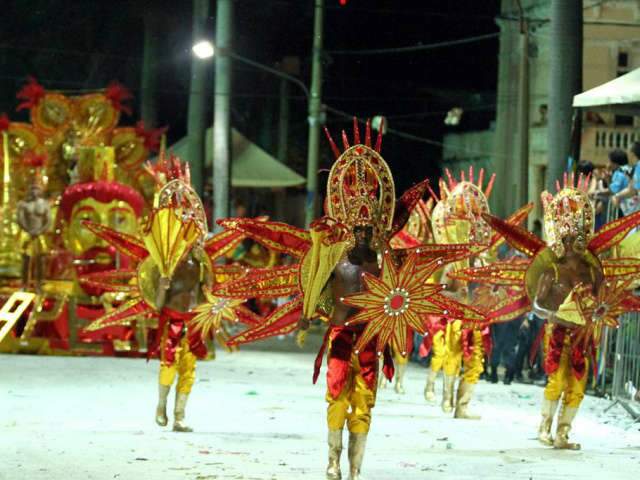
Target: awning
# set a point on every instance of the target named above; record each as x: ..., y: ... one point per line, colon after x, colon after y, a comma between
x: 250, y: 166
x: 620, y: 96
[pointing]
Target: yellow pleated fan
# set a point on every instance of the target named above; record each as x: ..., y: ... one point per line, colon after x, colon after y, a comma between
x: 168, y: 237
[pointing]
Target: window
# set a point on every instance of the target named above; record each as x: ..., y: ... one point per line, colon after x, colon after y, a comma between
x: 623, y: 59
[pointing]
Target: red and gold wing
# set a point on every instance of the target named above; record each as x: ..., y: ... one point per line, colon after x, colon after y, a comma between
x: 621, y: 268
x: 271, y: 282
x: 276, y: 236
x: 281, y: 321
x: 406, y: 203
x: 516, y: 236
x: 516, y: 218
x: 127, y: 244
x: 448, y: 253
x: 111, y: 281
x: 504, y: 273
x: 123, y: 315
x: 613, y: 233
x: 222, y: 243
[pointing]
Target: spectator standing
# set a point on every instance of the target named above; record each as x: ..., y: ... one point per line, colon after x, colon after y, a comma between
x: 505, y: 342
x: 620, y: 177
x: 627, y: 198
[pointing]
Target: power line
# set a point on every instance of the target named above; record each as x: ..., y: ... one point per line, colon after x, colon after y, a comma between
x: 415, y: 48
x: 415, y: 138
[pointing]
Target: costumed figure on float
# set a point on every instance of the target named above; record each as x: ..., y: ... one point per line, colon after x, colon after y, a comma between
x: 341, y: 257
x: 170, y: 288
x: 33, y: 215
x: 576, y: 282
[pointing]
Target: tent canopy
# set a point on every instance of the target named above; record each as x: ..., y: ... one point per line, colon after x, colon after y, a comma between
x: 250, y: 166
x: 620, y: 96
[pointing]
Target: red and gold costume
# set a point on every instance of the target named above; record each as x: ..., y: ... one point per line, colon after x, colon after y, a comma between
x: 457, y: 219
x: 568, y: 350
x: 174, y: 232
x: 360, y: 193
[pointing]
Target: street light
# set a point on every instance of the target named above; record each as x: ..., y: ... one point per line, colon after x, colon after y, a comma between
x: 203, y: 49
x: 221, y: 129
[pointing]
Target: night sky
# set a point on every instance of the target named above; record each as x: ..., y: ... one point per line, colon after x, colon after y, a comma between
x: 84, y: 45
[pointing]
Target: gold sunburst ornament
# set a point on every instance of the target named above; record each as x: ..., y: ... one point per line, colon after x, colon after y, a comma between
x: 211, y: 315
x: 399, y: 300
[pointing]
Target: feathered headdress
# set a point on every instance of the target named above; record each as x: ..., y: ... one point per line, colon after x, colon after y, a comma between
x: 173, y: 179
x: 568, y: 213
x: 457, y: 217
x: 360, y: 188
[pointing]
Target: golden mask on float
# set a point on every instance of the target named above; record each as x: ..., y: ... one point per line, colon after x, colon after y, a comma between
x: 98, y: 198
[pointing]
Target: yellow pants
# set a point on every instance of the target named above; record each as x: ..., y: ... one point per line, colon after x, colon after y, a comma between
x: 474, y: 365
x: 184, y: 366
x: 438, y: 351
x: 453, y: 345
x: 563, y: 381
x: 453, y: 358
x: 353, y: 405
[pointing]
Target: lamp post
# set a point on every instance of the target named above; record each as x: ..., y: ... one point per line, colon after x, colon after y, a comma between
x: 196, y: 122
x: 315, y: 112
x: 222, y: 112
x: 204, y: 49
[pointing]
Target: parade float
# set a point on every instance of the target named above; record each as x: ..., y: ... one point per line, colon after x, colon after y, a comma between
x: 72, y: 162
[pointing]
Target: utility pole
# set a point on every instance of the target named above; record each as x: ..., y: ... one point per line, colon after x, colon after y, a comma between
x: 566, y: 72
x: 315, y: 114
x: 148, y: 112
x: 523, y: 110
x: 283, y: 122
x: 222, y: 111
x: 283, y: 143
x: 196, y: 128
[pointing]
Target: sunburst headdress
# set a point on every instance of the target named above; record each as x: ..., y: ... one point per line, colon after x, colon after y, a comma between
x: 568, y: 213
x: 360, y: 188
x: 173, y: 180
x: 457, y: 217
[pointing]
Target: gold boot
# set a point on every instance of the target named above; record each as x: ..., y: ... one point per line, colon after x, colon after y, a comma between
x: 430, y: 388
x: 548, y: 412
x: 465, y: 392
x: 357, y: 442
x: 179, y: 413
x: 399, y: 377
x: 335, y: 450
x: 447, y: 393
x: 161, y: 409
x: 565, y: 419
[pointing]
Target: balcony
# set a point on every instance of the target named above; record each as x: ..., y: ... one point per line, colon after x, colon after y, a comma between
x: 599, y: 140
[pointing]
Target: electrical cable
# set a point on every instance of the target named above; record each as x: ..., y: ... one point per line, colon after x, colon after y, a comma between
x: 415, y: 48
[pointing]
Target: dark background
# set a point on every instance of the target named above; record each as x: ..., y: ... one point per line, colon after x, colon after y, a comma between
x: 86, y: 44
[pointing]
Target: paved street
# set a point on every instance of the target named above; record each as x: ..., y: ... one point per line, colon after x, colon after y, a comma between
x: 257, y: 416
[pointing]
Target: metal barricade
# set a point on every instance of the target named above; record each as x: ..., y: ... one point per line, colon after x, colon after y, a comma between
x: 626, y: 368
x: 620, y: 356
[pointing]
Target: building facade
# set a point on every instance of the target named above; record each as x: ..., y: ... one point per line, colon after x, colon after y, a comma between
x: 611, y: 47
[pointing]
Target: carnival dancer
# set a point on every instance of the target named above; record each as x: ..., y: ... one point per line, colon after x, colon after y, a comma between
x: 172, y: 281
x: 457, y: 219
x: 339, y: 258
x: 361, y: 197
x: 179, y: 345
x: 568, y: 222
x: 569, y: 281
